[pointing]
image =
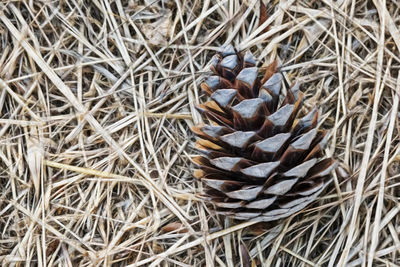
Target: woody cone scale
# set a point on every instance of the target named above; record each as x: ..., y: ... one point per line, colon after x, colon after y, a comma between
x: 259, y: 160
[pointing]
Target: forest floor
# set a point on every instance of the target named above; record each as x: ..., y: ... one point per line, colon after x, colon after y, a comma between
x: 96, y: 102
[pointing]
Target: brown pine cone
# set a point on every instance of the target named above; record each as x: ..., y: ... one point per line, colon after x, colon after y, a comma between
x: 260, y: 162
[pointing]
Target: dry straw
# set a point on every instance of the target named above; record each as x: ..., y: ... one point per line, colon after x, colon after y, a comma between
x: 96, y: 101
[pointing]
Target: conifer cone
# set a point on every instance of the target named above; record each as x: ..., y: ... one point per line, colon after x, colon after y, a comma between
x: 259, y: 161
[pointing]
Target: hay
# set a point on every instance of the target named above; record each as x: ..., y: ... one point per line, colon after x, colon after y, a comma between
x: 96, y: 101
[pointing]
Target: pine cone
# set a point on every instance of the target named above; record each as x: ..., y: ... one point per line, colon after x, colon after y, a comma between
x: 259, y: 161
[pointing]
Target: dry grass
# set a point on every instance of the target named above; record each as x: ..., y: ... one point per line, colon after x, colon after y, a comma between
x: 96, y: 99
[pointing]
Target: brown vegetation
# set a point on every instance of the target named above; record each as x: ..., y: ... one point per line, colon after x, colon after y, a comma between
x: 96, y: 101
